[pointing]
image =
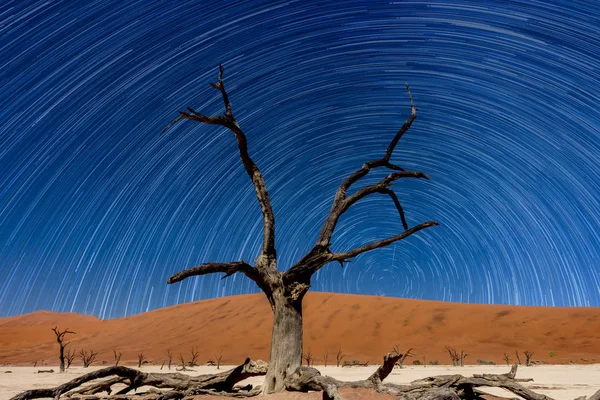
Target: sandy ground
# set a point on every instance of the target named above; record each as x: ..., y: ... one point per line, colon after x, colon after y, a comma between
x: 560, y: 382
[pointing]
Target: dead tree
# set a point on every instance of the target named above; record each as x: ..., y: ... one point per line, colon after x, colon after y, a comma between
x: 117, y: 357
x: 169, y: 358
x: 308, y: 357
x: 87, y: 358
x: 518, y: 358
x: 528, y: 355
x: 285, y: 290
x: 458, y: 359
x: 339, y: 357
x: 141, y: 360
x: 182, y: 366
x: 60, y: 338
x: 325, y: 357
x: 70, y: 356
x: 219, y: 359
x: 403, y: 356
x: 194, y: 353
x: 506, y: 358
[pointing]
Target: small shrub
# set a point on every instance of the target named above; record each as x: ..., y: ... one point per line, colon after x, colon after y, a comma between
x: 485, y: 362
x: 416, y: 362
x: 552, y: 354
x: 434, y: 362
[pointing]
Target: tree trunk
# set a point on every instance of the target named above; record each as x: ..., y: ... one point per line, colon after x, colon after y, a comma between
x: 286, y: 341
x: 62, y: 357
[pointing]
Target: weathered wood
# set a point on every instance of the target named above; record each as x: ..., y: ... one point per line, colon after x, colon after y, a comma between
x: 331, y: 393
x: 98, y: 387
x: 308, y: 378
x: 595, y: 396
x: 286, y: 340
x: 285, y: 291
x: 223, y: 381
x: 389, y: 360
x: 228, y: 121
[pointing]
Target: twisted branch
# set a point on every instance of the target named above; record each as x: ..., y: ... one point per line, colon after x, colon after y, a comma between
x: 320, y: 254
x: 228, y: 121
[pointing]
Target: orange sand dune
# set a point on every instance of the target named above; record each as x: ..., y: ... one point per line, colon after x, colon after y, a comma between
x: 364, y: 327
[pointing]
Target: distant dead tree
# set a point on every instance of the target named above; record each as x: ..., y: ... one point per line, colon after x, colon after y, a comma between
x: 339, y: 357
x: 458, y: 359
x: 528, y: 355
x: 518, y: 358
x: 117, y: 357
x: 285, y: 290
x: 70, y: 356
x: 194, y: 360
x: 182, y: 366
x: 87, y: 358
x: 308, y: 357
x: 403, y: 356
x: 60, y: 339
x: 169, y: 358
x: 141, y: 360
x: 325, y: 357
x: 506, y: 358
x: 219, y: 359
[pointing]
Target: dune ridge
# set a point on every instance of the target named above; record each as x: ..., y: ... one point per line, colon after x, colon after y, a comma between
x: 363, y: 327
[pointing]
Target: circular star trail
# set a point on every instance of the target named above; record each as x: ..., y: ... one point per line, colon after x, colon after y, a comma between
x: 97, y: 208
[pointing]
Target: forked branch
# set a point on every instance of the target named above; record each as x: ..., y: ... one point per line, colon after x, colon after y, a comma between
x: 228, y: 121
x: 321, y: 254
x: 337, y: 208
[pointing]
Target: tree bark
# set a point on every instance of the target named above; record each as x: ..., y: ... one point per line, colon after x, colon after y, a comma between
x: 286, y: 341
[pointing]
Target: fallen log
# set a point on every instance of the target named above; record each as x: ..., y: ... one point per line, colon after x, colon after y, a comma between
x: 223, y: 381
x: 454, y: 386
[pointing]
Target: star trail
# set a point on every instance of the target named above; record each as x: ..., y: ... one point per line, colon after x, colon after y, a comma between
x: 97, y: 208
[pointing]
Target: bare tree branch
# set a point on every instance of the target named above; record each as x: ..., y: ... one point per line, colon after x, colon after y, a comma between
x: 228, y: 268
x: 321, y: 254
x: 336, y: 208
x: 228, y: 121
x: 382, y: 243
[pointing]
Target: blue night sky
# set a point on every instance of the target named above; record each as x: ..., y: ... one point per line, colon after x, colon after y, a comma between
x: 97, y: 209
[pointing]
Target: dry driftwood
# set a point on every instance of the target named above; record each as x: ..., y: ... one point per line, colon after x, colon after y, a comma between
x: 223, y: 381
x: 444, y: 387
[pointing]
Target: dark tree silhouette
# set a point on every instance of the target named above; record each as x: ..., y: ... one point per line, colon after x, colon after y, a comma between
x: 194, y: 360
x: 87, y: 358
x: 285, y: 290
x: 169, y: 358
x: 60, y: 339
x: 70, y: 356
x: 339, y: 357
x: 528, y: 355
x: 117, y: 357
x: 141, y: 360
